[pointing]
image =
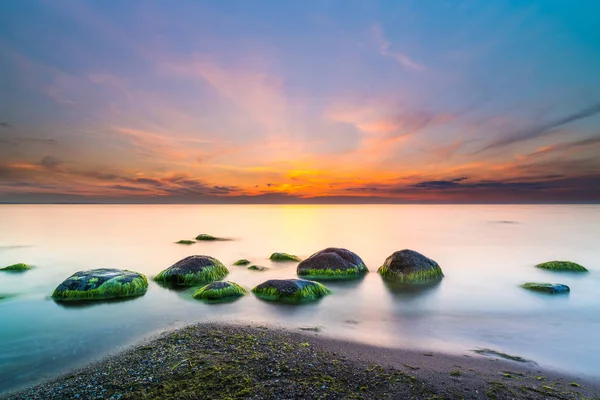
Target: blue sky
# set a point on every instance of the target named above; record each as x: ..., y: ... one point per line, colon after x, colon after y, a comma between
x: 392, y: 101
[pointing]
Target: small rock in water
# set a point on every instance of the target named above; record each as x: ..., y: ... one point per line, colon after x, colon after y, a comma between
x: 551, y: 288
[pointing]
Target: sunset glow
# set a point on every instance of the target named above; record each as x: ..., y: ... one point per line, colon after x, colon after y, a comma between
x: 299, y: 102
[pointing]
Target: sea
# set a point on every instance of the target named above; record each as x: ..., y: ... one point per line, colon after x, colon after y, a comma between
x: 485, y: 252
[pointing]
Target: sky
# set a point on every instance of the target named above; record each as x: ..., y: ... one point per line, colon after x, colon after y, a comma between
x: 292, y: 102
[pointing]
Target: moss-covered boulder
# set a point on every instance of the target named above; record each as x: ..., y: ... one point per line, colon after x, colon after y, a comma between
x: 220, y: 291
x: 207, y: 237
x: 193, y: 270
x: 409, y: 266
x: 332, y: 263
x: 101, y: 284
x: 567, y: 266
x: 257, y: 268
x: 292, y: 290
x: 552, y: 288
x: 284, y: 257
x: 185, y: 241
x: 19, y: 267
x: 242, y: 261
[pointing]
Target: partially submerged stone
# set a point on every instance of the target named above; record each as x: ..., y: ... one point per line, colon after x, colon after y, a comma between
x: 19, y: 267
x: 284, y: 257
x: 552, y: 288
x: 568, y: 266
x: 185, y: 241
x: 242, y: 261
x: 257, y: 268
x: 193, y: 270
x: 332, y: 263
x: 293, y: 290
x: 219, y: 291
x: 409, y: 266
x: 205, y: 236
x: 101, y: 284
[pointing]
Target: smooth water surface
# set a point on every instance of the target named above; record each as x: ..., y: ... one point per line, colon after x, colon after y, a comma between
x: 485, y: 251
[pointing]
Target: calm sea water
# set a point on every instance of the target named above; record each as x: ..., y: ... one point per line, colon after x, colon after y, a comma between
x: 486, y: 251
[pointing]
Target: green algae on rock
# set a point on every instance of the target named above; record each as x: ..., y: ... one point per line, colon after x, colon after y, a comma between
x: 257, y: 268
x: 284, y: 257
x: 562, y: 266
x: 19, y: 267
x: 242, y: 261
x: 332, y: 263
x: 551, y: 288
x: 101, y: 284
x: 185, y: 241
x: 219, y: 291
x: 409, y: 266
x: 207, y: 237
x: 291, y: 290
x: 193, y: 270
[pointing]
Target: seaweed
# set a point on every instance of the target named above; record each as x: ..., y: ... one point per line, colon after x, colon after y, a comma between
x: 210, y: 292
x: 489, y: 352
x: 207, y: 274
x: 349, y: 273
x: 111, y: 289
x: 546, y: 287
x: 19, y: 267
x: 242, y: 261
x: 257, y: 268
x: 185, y: 241
x: 284, y: 257
x: 207, y: 237
x: 311, y: 291
x: 413, y: 277
x: 562, y: 266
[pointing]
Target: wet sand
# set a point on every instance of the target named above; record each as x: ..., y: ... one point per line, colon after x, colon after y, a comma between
x: 216, y: 361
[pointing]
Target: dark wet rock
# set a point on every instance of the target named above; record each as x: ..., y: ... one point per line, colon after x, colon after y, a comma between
x: 283, y: 257
x: 207, y: 237
x: 19, y: 267
x: 193, y: 270
x: 290, y: 290
x: 219, y: 291
x: 242, y: 261
x: 101, y: 284
x: 409, y: 266
x: 567, y: 266
x: 551, y: 288
x: 257, y: 268
x: 333, y: 263
x: 186, y: 241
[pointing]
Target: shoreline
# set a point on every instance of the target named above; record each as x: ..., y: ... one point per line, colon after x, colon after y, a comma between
x: 217, y: 360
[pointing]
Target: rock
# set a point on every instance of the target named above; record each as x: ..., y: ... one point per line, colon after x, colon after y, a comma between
x: 19, y: 267
x: 409, y: 266
x: 333, y: 263
x: 193, y: 270
x: 257, y: 268
x: 293, y: 290
x: 552, y: 288
x: 101, y: 284
x: 562, y: 266
x: 186, y: 241
x: 242, y: 261
x: 284, y: 257
x: 204, y: 236
x: 219, y: 291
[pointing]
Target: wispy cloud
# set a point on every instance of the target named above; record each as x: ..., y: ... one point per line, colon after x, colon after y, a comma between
x: 385, y: 49
x: 566, y: 146
x: 542, y: 129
